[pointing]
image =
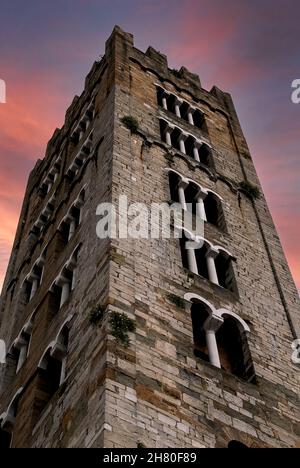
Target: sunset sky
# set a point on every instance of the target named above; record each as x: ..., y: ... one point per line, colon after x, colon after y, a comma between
x: 250, y: 49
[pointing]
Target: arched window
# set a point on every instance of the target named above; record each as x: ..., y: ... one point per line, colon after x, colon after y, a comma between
x: 204, y: 259
x: 214, y: 210
x: 20, y: 350
x: 223, y: 263
x: 203, y: 202
x: 234, y: 351
x: 161, y: 97
x: 199, y: 120
x: 200, y: 314
x: 72, y: 220
x: 205, y: 155
x: 52, y: 369
x: 34, y: 278
x: 175, y: 138
x: 7, y: 420
x: 220, y: 338
x: 80, y: 157
x: 64, y: 284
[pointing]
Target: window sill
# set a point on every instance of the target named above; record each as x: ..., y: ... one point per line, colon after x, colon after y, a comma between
x: 199, y: 280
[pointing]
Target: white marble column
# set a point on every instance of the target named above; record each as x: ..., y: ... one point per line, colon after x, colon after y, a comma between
x: 211, y: 326
x: 34, y: 286
x: 168, y: 132
x: 200, y: 208
x: 213, y: 348
x: 65, y: 292
x: 22, y: 354
x: 197, y: 145
x: 182, y: 185
x: 177, y: 104
x: 190, y: 115
x: 181, y: 139
x: 211, y: 266
x: 72, y: 228
x: 191, y: 258
x: 164, y: 101
x: 63, y: 371
x: 73, y: 279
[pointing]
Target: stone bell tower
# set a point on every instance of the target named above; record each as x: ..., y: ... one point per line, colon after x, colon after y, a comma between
x: 122, y: 342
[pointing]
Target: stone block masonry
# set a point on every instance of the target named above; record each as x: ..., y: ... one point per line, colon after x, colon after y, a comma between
x: 78, y: 386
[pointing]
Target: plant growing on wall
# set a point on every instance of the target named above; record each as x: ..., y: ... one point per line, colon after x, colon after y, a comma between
x: 252, y: 191
x: 96, y: 315
x: 121, y: 325
x: 130, y: 122
x: 177, y: 300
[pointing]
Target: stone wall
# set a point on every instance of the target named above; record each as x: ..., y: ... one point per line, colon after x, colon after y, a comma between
x: 155, y: 392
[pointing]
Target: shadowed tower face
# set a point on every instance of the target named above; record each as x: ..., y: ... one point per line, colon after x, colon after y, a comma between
x: 117, y: 342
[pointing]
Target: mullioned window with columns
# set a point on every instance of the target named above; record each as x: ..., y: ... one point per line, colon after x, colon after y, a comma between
x: 221, y: 338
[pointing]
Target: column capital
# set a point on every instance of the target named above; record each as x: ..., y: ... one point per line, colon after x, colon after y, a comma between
x: 169, y: 127
x: 198, y: 143
x: 61, y: 280
x: 19, y: 342
x: 58, y: 351
x: 178, y: 101
x: 183, y: 136
x: 212, y: 252
x: 213, y: 323
x: 191, y: 109
x: 202, y: 193
x: 183, y: 182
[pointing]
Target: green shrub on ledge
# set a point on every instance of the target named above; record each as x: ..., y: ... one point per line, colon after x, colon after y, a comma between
x: 130, y: 122
x: 177, y: 300
x: 96, y: 315
x: 252, y: 191
x: 121, y: 325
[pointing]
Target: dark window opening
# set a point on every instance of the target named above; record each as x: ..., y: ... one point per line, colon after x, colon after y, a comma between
x: 162, y: 128
x: 160, y: 92
x: 173, y: 182
x: 175, y: 137
x: 27, y: 291
x: 171, y: 99
x: 234, y: 351
x: 225, y: 272
x: 184, y: 257
x: 199, y: 120
x: 212, y: 209
x: 64, y: 232
x: 199, y: 315
x: 48, y: 383
x: 189, y: 146
x: 5, y: 439
x: 205, y: 155
x: 184, y: 109
x: 54, y: 300
x: 190, y: 197
x: 201, y: 261
x: 75, y: 213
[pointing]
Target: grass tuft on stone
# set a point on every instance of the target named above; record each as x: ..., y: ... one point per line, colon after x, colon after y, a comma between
x: 131, y: 123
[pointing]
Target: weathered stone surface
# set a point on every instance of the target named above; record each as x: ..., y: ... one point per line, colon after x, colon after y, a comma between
x: 156, y: 391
